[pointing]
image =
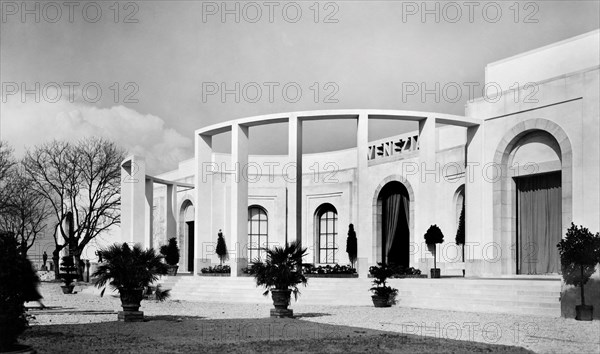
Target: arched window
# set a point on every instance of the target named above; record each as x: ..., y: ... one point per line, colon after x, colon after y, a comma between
x: 258, y: 232
x: 327, y: 233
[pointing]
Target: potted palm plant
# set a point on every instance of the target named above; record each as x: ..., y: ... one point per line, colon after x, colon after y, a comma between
x: 171, y: 253
x: 130, y: 271
x: 280, y: 274
x: 433, y: 236
x: 19, y: 284
x: 383, y: 295
x: 579, y: 254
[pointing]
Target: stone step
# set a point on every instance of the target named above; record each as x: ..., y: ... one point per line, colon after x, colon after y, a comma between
x: 435, y: 287
x: 529, y: 296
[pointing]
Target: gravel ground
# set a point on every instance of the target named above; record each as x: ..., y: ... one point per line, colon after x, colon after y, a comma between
x: 181, y: 326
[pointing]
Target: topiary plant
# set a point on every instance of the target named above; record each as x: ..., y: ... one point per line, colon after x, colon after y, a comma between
x: 69, y: 273
x: 18, y: 285
x: 222, y: 248
x: 171, y: 252
x: 351, y: 245
x: 579, y: 254
x: 383, y: 295
x: 460, y: 232
x: 434, y: 236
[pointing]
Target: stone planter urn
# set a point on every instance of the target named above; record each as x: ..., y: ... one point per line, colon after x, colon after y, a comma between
x: 130, y: 301
x: 281, y: 301
x: 67, y: 289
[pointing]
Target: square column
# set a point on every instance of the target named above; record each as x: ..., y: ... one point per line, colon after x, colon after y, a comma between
x: 149, y: 213
x: 239, y: 197
x: 294, y: 181
x: 429, y: 176
x: 476, y: 210
x: 171, y: 205
x: 133, y: 203
x: 205, y: 169
x: 364, y: 222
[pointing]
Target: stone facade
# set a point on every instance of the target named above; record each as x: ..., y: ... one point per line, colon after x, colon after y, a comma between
x: 549, y: 120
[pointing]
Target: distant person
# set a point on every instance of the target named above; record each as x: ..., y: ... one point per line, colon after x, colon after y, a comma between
x: 44, y: 260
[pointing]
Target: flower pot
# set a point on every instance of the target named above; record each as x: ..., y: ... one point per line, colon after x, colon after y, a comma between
x: 281, y: 301
x: 584, y: 312
x: 172, y: 270
x: 67, y: 289
x: 435, y: 272
x: 381, y: 301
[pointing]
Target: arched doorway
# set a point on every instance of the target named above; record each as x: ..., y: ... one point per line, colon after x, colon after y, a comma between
x: 535, y: 191
x: 393, y: 204
x: 535, y: 161
x: 187, y: 230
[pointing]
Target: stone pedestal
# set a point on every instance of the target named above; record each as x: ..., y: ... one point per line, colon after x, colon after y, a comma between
x: 131, y: 316
x: 362, y: 267
x: 281, y: 313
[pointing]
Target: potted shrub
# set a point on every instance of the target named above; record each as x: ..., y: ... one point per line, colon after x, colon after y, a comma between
x: 433, y: 236
x: 383, y: 295
x: 129, y: 270
x: 171, y: 253
x: 19, y: 285
x: 281, y: 273
x: 69, y: 274
x: 578, y: 258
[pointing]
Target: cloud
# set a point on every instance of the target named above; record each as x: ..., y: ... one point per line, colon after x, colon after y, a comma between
x: 25, y: 125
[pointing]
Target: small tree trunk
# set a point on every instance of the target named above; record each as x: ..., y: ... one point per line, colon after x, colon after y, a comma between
x: 463, y: 252
x: 434, y: 255
x: 56, y: 270
x: 582, y: 289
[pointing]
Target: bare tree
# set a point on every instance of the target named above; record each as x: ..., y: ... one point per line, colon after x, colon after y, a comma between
x: 25, y: 212
x: 6, y: 164
x: 81, y: 182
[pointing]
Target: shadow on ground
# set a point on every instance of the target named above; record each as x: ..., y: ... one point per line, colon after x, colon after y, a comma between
x: 181, y: 334
x: 311, y: 315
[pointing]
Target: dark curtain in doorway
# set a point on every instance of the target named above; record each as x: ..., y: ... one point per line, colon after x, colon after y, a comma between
x: 395, y: 229
x: 190, y: 258
x: 539, y: 219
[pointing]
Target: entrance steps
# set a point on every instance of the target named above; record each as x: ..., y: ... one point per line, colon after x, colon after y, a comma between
x: 506, y: 295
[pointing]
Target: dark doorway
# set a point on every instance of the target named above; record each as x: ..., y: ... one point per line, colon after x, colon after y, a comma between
x: 395, y: 231
x: 539, y: 223
x: 190, y: 258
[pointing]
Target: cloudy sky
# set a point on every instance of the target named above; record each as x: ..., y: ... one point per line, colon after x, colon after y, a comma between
x: 148, y: 73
